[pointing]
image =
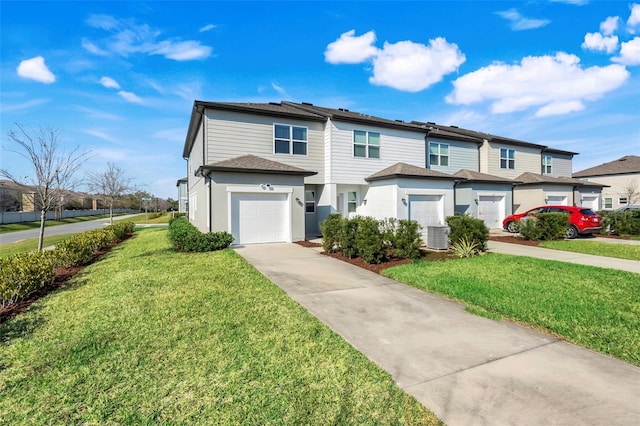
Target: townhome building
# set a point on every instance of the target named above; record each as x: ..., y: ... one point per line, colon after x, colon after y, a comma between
x: 622, y: 180
x: 273, y: 171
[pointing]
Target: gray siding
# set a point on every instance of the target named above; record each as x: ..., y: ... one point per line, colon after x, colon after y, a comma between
x: 527, y: 159
x: 561, y: 165
x: 462, y: 155
x: 233, y: 134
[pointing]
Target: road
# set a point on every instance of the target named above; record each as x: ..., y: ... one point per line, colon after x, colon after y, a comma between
x: 72, y: 228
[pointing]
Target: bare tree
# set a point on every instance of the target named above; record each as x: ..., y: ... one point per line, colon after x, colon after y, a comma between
x: 631, y: 191
x: 54, y: 168
x: 111, y: 184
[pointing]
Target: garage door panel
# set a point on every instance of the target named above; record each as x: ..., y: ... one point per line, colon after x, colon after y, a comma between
x: 557, y: 200
x: 427, y: 210
x: 259, y: 218
x: 490, y: 208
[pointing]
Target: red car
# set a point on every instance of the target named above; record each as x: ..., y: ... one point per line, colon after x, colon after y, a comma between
x: 583, y: 220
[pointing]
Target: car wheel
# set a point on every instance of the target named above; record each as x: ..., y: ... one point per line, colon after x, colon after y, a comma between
x: 513, y: 227
x: 572, y: 232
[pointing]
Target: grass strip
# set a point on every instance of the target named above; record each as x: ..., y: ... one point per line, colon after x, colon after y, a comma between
x: 144, y: 218
x: 594, y: 307
x: 148, y: 335
x: 24, y: 246
x: 597, y: 248
x: 24, y: 226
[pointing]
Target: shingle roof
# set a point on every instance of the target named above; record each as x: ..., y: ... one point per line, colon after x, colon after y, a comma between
x: 473, y: 176
x: 624, y: 165
x: 407, y: 170
x: 252, y: 163
x: 529, y: 178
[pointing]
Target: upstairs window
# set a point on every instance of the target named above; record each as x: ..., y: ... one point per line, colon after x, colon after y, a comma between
x: 546, y: 164
x: 366, y: 144
x: 289, y: 139
x: 507, y: 158
x: 438, y: 154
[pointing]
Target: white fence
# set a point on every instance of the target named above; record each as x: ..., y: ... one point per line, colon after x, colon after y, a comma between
x: 17, y: 217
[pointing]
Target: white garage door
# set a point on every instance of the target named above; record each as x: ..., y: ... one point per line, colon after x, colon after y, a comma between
x: 490, y: 209
x: 590, y: 202
x: 426, y: 210
x: 557, y: 200
x: 259, y: 218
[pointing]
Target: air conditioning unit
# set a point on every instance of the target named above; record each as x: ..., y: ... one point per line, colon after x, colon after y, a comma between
x: 438, y: 237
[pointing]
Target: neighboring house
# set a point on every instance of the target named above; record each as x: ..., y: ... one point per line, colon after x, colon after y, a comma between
x: 273, y: 172
x: 183, y: 196
x: 622, y: 178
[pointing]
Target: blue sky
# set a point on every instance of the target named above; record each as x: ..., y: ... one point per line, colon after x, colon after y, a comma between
x: 119, y: 78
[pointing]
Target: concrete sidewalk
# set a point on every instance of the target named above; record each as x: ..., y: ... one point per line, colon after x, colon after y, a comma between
x: 469, y: 370
x: 564, y: 256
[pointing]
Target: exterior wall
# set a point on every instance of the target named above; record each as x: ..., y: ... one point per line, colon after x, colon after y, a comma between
x: 198, y: 203
x: 467, y: 194
x: 561, y: 165
x: 618, y: 185
x: 233, y: 134
x: 530, y: 196
x: 527, y: 159
x: 311, y: 223
x: 462, y: 155
x: 221, y: 182
x: 382, y: 200
x: 587, y: 193
x: 408, y: 187
x: 183, y: 196
x: 395, y: 146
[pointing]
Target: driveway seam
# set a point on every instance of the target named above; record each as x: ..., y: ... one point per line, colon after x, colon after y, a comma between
x: 484, y: 363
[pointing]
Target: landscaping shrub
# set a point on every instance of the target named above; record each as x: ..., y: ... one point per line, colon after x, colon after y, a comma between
x: 154, y: 215
x: 24, y: 273
x: 186, y: 237
x: 80, y: 248
x: 468, y: 228
x: 407, y: 239
x: 465, y: 248
x: 369, y: 241
x: 621, y: 223
x: 330, y: 228
x: 347, y: 236
x: 546, y: 226
x: 122, y: 229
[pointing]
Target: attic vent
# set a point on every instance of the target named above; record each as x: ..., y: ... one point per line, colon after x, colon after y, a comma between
x: 430, y: 122
x: 307, y: 103
x: 274, y: 103
x: 399, y: 121
x: 455, y: 127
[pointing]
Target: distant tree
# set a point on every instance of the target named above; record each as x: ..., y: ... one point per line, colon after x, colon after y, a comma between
x: 173, y: 204
x: 54, y: 168
x: 631, y: 191
x: 111, y: 185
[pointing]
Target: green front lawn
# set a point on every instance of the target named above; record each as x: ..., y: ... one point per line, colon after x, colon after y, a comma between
x: 145, y: 218
x: 620, y: 251
x: 23, y: 226
x: 593, y: 307
x: 148, y: 335
x: 9, y: 249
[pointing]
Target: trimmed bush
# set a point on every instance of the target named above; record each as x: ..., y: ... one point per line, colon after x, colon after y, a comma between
x: 406, y: 240
x: 24, y: 273
x: 186, y: 237
x: 347, y: 237
x: 621, y: 223
x: 468, y: 228
x: 546, y: 226
x: 368, y: 240
x: 330, y: 228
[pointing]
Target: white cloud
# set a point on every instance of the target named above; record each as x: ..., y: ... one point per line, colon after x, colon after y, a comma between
x: 405, y: 65
x: 634, y: 17
x: 279, y: 89
x: 573, y: 2
x: 4, y: 107
x: 413, y: 66
x: 35, y: 69
x: 109, y: 83
x: 609, y: 25
x: 182, y: 50
x: 128, y: 38
x: 349, y: 49
x: 552, y: 84
x: 172, y: 135
x: 92, y: 48
x: 519, y: 22
x: 595, y: 41
x: 99, y: 134
x: 206, y: 28
x: 130, y: 97
x: 629, y: 52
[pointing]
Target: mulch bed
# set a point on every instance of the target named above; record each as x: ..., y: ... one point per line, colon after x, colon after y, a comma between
x: 427, y: 255
x: 63, y: 275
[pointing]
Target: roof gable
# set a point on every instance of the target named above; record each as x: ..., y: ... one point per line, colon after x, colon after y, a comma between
x: 254, y: 164
x: 408, y: 171
x: 474, y: 176
x: 624, y: 165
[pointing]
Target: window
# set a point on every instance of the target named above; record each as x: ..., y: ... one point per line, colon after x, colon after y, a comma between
x: 366, y: 144
x: 289, y: 139
x: 438, y: 154
x: 352, y: 202
x: 546, y: 164
x: 339, y: 203
x: 507, y: 158
x: 622, y: 200
x: 608, y: 203
x: 310, y: 201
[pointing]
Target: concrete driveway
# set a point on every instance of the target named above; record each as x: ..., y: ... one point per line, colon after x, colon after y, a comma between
x: 469, y: 370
